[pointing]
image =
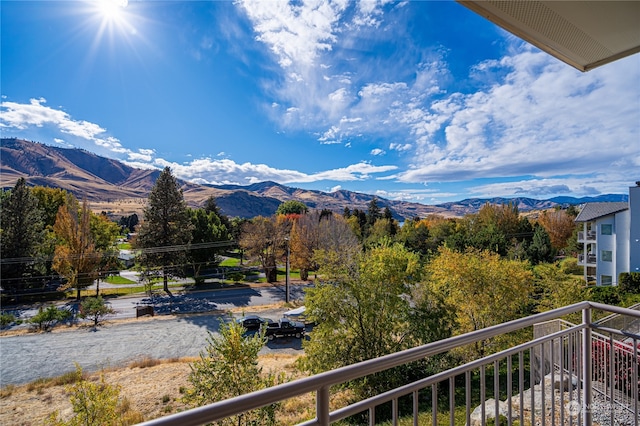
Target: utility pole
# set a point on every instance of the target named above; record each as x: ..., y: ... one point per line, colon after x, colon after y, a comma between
x: 286, y: 285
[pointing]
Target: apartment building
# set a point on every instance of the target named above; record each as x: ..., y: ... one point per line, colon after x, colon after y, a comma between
x: 611, y: 238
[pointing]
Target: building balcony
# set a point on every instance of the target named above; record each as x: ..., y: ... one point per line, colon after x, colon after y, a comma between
x: 566, y: 374
x: 589, y: 259
x: 590, y: 236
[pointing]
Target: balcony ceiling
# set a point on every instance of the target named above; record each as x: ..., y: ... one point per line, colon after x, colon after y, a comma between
x: 584, y: 34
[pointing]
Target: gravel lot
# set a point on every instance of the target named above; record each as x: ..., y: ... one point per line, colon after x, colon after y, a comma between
x: 27, y: 357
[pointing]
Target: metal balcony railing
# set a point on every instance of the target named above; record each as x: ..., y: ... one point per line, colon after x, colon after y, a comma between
x: 590, y: 258
x: 590, y: 236
x: 564, y: 377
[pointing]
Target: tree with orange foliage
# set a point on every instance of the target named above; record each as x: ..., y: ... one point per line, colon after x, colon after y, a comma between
x: 75, y: 257
x: 559, y: 225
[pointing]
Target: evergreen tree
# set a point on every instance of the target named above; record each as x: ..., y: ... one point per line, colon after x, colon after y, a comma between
x: 540, y: 249
x: 22, y: 233
x: 373, y: 212
x: 210, y: 206
x: 166, y: 229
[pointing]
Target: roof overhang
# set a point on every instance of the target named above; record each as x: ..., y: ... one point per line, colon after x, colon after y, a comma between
x: 584, y: 34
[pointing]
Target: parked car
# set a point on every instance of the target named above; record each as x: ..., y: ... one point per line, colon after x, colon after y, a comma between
x: 254, y: 322
x: 285, y: 328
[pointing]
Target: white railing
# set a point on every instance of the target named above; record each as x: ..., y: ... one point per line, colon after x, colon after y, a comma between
x: 547, y: 380
x: 590, y: 258
x: 591, y: 236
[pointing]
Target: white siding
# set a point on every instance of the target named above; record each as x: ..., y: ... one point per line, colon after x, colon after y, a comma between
x: 634, y: 225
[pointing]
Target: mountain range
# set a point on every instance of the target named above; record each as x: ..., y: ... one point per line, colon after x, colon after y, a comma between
x: 109, y: 183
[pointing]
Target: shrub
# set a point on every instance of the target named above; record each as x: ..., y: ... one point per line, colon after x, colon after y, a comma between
x: 606, y: 295
x: 47, y: 318
x: 236, y: 276
x: 6, y: 319
x: 96, y: 403
x: 95, y: 309
x: 629, y: 282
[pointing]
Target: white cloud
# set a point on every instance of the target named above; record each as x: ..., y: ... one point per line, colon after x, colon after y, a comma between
x: 145, y: 155
x: 377, y: 151
x: 226, y: 171
x: 295, y: 32
x: 543, y: 119
x: 400, y: 146
x: 335, y: 188
x: 19, y: 116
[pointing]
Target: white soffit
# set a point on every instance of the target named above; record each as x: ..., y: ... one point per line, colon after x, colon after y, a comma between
x: 584, y: 34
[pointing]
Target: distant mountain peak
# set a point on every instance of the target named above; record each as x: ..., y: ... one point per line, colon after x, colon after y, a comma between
x: 100, y: 179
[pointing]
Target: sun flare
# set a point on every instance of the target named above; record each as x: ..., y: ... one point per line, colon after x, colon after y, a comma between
x: 112, y: 10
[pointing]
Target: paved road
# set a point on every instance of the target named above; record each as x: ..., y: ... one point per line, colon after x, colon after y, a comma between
x: 25, y: 358
x: 181, y: 302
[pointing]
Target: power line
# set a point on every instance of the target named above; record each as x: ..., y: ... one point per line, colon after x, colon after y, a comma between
x: 148, y: 250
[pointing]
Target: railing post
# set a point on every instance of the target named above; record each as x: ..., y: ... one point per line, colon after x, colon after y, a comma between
x: 322, y: 406
x: 586, y: 366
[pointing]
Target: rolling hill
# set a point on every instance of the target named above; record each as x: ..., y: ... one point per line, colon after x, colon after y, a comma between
x: 108, y: 183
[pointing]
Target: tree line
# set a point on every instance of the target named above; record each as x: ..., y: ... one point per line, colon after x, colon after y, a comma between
x: 47, y: 232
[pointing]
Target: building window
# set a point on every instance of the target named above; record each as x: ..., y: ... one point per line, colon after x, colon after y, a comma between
x: 606, y: 229
x: 606, y: 280
x: 607, y: 255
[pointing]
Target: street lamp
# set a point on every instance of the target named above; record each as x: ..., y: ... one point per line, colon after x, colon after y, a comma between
x: 286, y: 285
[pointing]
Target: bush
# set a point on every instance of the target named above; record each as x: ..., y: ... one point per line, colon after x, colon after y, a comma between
x: 629, y: 282
x: 606, y: 295
x: 96, y: 403
x: 6, y: 319
x: 47, y: 318
x: 95, y: 309
x: 236, y: 276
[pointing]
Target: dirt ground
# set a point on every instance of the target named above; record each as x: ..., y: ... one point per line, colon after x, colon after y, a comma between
x: 151, y: 386
x: 153, y: 391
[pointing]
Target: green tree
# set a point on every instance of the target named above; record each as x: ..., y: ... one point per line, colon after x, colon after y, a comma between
x: 497, y: 228
x: 292, y: 207
x: 370, y: 312
x: 207, y: 228
x: 50, y: 200
x: 482, y: 288
x: 129, y: 223
x: 414, y: 235
x: 228, y: 367
x: 95, y: 309
x: 76, y: 257
x: 166, y: 230
x: 21, y: 235
x: 383, y: 228
x: 540, y: 250
x: 46, y: 318
x: 105, y: 235
x: 555, y: 288
x: 373, y: 212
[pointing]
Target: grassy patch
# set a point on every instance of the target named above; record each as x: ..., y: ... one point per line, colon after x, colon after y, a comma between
x: 63, y: 379
x: 230, y: 261
x: 118, y: 279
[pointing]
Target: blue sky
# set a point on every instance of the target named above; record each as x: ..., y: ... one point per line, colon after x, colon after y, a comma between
x: 419, y: 101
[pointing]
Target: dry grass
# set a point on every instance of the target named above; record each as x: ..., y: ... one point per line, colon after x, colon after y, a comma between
x: 151, y: 387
